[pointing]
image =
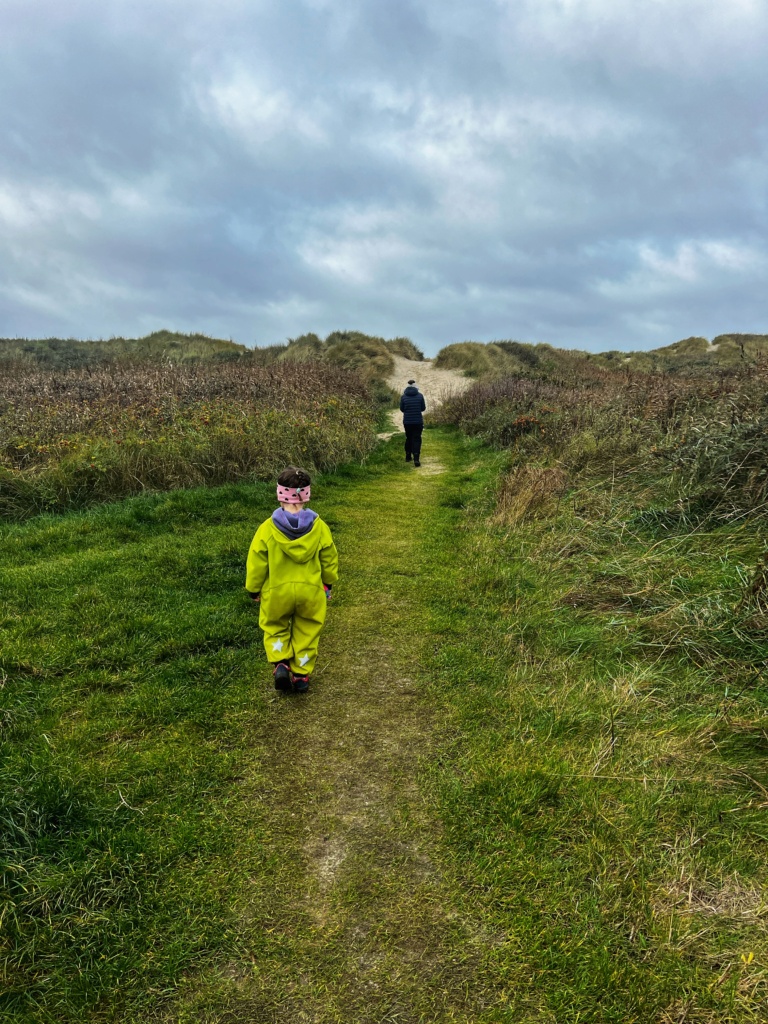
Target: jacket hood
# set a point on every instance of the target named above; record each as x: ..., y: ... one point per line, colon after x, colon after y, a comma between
x: 299, y: 549
x: 294, y: 524
x: 411, y: 390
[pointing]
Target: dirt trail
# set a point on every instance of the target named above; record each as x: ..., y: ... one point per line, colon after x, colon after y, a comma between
x: 360, y: 885
x: 435, y: 384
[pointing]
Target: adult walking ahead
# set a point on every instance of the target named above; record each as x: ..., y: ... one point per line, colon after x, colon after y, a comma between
x: 412, y: 405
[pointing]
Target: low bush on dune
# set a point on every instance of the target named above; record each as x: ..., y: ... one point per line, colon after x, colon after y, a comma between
x: 474, y: 359
x: 498, y: 359
x: 68, y: 440
x: 352, y: 350
x: 405, y: 347
x: 370, y: 356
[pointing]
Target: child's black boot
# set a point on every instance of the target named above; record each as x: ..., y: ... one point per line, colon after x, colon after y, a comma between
x: 300, y: 683
x: 282, y: 674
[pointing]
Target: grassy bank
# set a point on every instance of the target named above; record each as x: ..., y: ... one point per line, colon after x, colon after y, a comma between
x: 608, y: 805
x: 605, y: 794
x: 700, y: 442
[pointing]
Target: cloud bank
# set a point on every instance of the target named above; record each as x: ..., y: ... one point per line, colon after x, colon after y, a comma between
x: 587, y: 173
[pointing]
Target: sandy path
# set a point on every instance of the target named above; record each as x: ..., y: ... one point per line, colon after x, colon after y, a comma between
x: 436, y: 385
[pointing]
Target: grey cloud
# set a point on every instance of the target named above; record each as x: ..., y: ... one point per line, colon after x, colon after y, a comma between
x: 588, y: 174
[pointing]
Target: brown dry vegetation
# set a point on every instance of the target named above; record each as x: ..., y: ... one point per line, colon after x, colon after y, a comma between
x: 708, y: 433
x: 70, y: 438
x: 527, y: 491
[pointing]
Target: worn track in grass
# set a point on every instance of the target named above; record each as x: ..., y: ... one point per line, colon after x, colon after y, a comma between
x: 361, y: 906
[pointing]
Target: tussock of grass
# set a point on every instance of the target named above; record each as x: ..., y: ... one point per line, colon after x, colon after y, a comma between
x: 405, y: 347
x: 529, y: 491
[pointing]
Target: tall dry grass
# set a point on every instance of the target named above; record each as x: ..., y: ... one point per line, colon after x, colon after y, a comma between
x: 68, y: 439
x: 528, y: 491
x: 709, y: 434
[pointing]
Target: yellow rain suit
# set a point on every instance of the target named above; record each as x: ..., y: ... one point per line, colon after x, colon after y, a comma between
x: 290, y: 575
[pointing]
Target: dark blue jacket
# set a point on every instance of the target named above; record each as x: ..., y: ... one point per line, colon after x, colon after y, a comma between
x: 412, y: 405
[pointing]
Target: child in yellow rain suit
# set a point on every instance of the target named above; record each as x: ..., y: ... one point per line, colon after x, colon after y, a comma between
x: 292, y: 564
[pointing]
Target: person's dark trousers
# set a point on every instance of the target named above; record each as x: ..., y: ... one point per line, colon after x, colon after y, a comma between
x: 413, y: 439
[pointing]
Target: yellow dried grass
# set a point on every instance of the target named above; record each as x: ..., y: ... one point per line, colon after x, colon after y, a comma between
x: 528, y: 492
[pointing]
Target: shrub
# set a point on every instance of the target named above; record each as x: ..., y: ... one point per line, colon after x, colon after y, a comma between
x: 351, y: 350
x: 354, y: 351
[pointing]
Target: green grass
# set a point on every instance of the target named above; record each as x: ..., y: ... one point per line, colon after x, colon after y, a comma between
x: 528, y: 783
x: 159, y: 801
x: 605, y: 804
x: 159, y: 347
x: 691, y: 356
x: 128, y: 668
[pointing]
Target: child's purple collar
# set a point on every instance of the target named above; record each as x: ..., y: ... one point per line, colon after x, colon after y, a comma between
x: 294, y: 524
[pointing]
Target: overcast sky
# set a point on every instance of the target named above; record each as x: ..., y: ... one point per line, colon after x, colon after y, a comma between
x: 590, y: 173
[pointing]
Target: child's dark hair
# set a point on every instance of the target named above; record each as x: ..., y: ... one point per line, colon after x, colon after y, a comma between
x: 292, y: 476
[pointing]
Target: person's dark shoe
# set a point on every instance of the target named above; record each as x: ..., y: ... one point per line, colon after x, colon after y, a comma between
x: 407, y: 458
x: 282, y: 674
x: 300, y: 683
x: 416, y: 462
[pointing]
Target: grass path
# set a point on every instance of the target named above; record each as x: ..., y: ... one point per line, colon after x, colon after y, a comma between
x: 186, y: 844
x: 364, y: 905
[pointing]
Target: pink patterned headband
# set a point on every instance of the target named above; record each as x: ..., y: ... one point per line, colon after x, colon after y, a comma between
x: 293, y: 495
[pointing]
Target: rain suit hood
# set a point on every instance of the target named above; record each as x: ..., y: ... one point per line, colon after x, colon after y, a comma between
x: 294, y: 524
x: 275, y: 561
x: 301, y: 548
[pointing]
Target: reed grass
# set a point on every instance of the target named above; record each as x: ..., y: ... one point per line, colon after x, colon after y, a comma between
x: 709, y: 433
x: 70, y: 439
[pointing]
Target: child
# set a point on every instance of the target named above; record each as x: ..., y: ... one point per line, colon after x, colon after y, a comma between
x: 292, y: 564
